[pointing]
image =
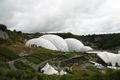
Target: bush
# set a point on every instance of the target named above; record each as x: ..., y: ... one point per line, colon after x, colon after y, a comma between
x: 3, y: 27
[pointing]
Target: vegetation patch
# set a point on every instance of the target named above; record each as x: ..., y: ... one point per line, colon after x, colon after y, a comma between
x: 8, y: 53
x: 20, y: 65
x: 41, y: 55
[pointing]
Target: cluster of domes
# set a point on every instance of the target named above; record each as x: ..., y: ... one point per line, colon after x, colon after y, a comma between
x: 54, y: 42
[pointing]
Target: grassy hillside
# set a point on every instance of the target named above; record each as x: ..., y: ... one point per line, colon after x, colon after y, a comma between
x: 41, y: 55
x: 99, y: 41
x: 7, y: 54
x: 25, y: 65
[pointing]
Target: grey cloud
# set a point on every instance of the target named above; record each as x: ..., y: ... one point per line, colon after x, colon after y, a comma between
x: 75, y: 16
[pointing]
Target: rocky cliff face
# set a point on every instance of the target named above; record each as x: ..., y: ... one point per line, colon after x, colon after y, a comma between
x: 3, y: 35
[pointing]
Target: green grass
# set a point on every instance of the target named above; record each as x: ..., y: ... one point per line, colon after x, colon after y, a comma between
x: 45, y: 54
x: 8, y: 54
x: 3, y: 68
x: 20, y: 65
x: 3, y: 65
x: 41, y: 55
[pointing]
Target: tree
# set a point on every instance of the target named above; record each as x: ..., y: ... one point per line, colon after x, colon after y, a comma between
x: 109, y: 64
x: 19, y: 32
x: 116, y: 64
x: 3, y: 27
x: 14, y: 31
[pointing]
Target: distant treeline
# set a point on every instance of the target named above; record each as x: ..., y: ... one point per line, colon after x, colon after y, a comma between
x: 101, y: 41
x: 97, y: 41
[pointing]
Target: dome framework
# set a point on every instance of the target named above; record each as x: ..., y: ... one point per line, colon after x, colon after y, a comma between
x: 54, y: 42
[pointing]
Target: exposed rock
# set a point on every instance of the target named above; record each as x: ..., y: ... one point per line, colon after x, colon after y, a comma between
x: 3, y: 35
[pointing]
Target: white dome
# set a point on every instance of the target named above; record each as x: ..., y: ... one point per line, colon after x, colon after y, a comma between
x: 87, y: 48
x: 59, y: 42
x: 31, y: 42
x: 118, y: 59
x: 54, y: 42
x: 40, y: 42
x: 74, y: 45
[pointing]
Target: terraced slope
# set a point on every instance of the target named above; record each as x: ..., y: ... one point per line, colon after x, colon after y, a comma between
x: 6, y: 54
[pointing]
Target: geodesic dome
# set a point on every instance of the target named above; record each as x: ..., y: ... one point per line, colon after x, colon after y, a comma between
x: 40, y: 42
x: 86, y: 48
x: 54, y: 42
x: 31, y: 42
x: 59, y: 42
x: 74, y: 45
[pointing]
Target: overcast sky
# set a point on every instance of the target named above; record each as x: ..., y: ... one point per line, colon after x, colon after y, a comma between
x: 76, y: 16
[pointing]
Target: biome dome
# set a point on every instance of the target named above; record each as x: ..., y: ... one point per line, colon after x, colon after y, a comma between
x: 32, y: 42
x: 74, y: 45
x: 86, y: 48
x: 59, y: 42
x: 54, y: 42
x: 40, y: 42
